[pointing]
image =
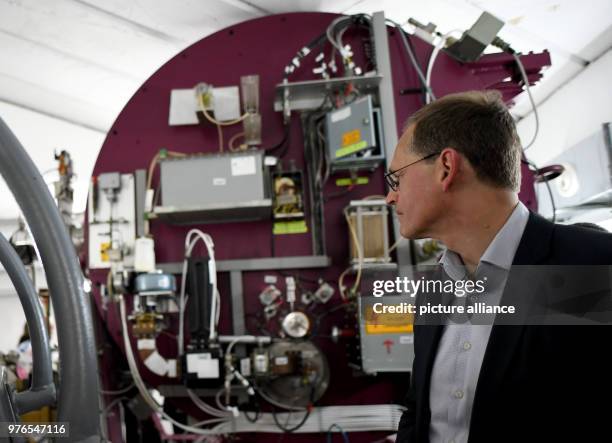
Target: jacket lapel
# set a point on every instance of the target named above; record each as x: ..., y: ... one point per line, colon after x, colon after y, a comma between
x: 533, y: 248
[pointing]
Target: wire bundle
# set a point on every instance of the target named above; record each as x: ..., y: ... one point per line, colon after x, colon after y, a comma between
x: 349, y: 418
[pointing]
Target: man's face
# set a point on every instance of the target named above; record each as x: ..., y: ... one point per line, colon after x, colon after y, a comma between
x: 417, y: 200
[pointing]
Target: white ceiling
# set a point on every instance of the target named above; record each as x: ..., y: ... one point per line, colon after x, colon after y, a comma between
x: 81, y: 60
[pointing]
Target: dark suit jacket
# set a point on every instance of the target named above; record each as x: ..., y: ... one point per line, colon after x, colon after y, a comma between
x: 537, y: 383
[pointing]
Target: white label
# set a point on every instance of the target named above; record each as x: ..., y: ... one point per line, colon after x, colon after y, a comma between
x: 406, y: 339
x: 281, y: 361
x: 270, y: 279
x: 340, y: 114
x: 245, y: 367
x: 219, y: 181
x: 146, y: 343
x: 243, y: 165
x: 156, y: 364
x: 270, y: 161
x: 203, y: 365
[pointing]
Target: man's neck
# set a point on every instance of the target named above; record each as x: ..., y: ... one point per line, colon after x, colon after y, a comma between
x: 474, y: 226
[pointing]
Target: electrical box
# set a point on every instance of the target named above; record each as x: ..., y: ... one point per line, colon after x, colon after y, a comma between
x: 111, y: 215
x: 354, y: 139
x: 386, y: 340
x: 215, y: 188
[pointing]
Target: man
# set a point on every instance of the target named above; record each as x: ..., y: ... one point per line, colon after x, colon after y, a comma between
x: 454, y: 177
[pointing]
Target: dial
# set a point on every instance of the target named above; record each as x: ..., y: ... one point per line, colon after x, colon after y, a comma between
x: 296, y: 324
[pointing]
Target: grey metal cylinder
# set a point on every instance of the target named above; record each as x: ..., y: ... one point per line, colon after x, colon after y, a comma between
x: 42, y: 390
x: 78, y: 390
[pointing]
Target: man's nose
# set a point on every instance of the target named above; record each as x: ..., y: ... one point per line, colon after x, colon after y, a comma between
x: 391, y: 198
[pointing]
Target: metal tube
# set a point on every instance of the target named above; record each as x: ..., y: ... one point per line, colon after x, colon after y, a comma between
x: 42, y: 391
x: 78, y: 390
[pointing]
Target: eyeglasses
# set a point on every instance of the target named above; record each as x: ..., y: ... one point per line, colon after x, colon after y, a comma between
x: 394, y: 182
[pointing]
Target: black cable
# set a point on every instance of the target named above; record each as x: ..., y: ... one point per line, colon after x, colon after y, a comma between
x: 342, y: 193
x: 546, y: 182
x: 286, y: 129
x: 301, y: 423
x: 272, y: 249
x: 257, y: 412
x: 318, y: 318
x: 423, y: 95
x: 293, y: 428
x: 286, y: 142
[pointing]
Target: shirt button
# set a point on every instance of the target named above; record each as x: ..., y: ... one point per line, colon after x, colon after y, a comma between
x: 458, y: 394
x: 473, y: 298
x: 467, y: 345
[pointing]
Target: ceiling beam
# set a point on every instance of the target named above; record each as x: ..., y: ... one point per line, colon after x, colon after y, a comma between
x: 135, y: 25
x: 72, y: 56
x: 95, y: 128
x: 247, y: 6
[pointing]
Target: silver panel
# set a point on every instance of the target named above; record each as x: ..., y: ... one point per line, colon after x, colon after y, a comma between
x: 384, y: 352
x: 259, y: 264
x: 311, y: 94
x: 214, y: 188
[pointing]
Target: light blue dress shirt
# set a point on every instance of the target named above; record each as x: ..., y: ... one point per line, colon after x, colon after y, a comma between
x: 462, y: 346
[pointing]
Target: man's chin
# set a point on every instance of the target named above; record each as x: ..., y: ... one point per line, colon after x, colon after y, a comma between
x: 411, y: 233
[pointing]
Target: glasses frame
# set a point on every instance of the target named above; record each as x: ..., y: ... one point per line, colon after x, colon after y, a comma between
x: 394, y: 183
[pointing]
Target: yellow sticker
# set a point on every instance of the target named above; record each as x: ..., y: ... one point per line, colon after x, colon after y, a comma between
x: 104, y: 247
x: 351, y: 137
x: 349, y: 181
x: 351, y: 149
x: 290, y: 227
x: 387, y: 323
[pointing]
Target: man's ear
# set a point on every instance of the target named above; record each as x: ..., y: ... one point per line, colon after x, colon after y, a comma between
x: 450, y: 164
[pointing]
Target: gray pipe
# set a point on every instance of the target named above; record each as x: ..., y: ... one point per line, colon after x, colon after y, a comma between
x: 78, y: 390
x: 42, y: 390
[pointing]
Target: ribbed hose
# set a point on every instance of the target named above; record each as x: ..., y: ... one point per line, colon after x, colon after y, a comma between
x: 78, y: 390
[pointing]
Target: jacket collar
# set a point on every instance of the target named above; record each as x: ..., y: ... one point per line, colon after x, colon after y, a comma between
x: 534, y: 246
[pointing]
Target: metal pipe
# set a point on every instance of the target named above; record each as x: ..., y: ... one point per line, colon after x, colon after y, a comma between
x: 78, y: 390
x: 42, y: 391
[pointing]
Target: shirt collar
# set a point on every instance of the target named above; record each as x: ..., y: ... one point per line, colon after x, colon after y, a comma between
x: 500, y: 251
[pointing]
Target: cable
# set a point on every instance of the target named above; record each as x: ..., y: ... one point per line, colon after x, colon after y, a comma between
x: 432, y: 59
x: 212, y: 119
x: 118, y: 391
x: 329, y: 433
x: 351, y: 418
x: 233, y: 140
x: 276, y: 403
x: 292, y: 428
x: 412, y: 57
x: 533, y: 105
x: 211, y: 410
x: 546, y: 182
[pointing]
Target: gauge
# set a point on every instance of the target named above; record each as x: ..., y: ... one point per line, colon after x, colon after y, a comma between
x: 296, y: 324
